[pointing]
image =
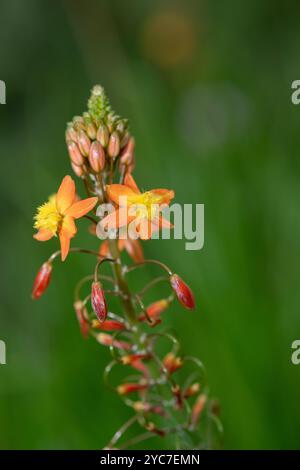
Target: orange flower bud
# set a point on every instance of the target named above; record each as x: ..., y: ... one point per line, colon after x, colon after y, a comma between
x: 114, y: 145
x: 75, y: 154
x: 71, y: 134
x: 108, y: 325
x: 42, y: 280
x: 172, y: 363
x: 83, y: 142
x: 125, y: 139
x: 127, y: 155
x: 183, y: 292
x: 126, y: 388
x: 103, y: 136
x: 107, y: 340
x: 145, y: 407
x: 191, y: 390
x: 155, y: 309
x: 98, y: 301
x: 97, y: 157
x: 91, y: 131
x: 130, y: 358
x: 78, y: 170
x: 198, y: 408
x: 81, y: 314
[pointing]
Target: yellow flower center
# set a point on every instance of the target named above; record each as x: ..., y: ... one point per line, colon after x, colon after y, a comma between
x: 146, y: 205
x: 47, y: 216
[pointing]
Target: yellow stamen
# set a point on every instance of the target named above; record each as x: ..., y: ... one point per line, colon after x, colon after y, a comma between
x: 47, y: 216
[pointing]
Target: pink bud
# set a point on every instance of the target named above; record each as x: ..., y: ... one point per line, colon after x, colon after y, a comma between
x: 75, y: 154
x: 97, y: 157
x: 83, y: 142
x: 98, y: 301
x: 114, y: 145
x: 78, y: 170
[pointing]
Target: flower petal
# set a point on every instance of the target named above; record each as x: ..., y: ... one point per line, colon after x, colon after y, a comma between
x: 68, y: 226
x: 130, y: 182
x: 134, y: 249
x: 166, y: 195
x: 117, y: 218
x: 80, y: 208
x: 43, y: 235
x: 64, y: 244
x: 104, y: 249
x: 117, y: 191
x: 147, y: 228
x: 65, y: 194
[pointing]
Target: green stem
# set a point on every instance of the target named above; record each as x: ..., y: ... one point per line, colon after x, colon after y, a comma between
x: 122, y: 284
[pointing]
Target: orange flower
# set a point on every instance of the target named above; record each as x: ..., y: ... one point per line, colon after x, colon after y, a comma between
x: 142, y: 208
x: 57, y: 215
x: 133, y: 248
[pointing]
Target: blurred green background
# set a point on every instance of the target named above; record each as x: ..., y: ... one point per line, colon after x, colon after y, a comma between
x: 207, y: 88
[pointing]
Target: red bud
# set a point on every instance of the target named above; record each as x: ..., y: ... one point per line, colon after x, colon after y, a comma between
x: 183, y: 292
x: 81, y: 314
x: 98, y: 301
x: 108, y: 325
x: 155, y: 309
x: 42, y: 280
x: 172, y: 363
x: 124, y: 389
x: 107, y: 340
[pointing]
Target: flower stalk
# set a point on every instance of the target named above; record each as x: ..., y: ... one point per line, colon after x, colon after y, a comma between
x: 166, y: 391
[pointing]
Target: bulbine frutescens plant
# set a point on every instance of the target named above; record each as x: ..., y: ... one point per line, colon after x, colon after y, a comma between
x: 166, y: 391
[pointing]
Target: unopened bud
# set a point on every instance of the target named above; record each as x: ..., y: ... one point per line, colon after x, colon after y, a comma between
x: 78, y: 123
x: 183, y: 292
x: 124, y: 139
x: 191, y: 390
x: 97, y: 157
x: 98, y: 301
x: 127, y: 155
x: 71, y: 134
x: 107, y: 340
x: 108, y: 325
x: 172, y: 363
x: 155, y: 309
x: 83, y: 142
x: 198, y: 408
x: 81, y: 314
x: 42, y: 280
x: 78, y: 170
x: 103, y: 136
x: 75, y: 154
x: 114, y: 145
x: 126, y: 388
x: 130, y: 358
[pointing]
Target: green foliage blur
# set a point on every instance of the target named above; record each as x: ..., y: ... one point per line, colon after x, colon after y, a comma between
x: 206, y: 86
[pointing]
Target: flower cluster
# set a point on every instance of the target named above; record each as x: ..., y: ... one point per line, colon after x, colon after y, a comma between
x: 166, y: 391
